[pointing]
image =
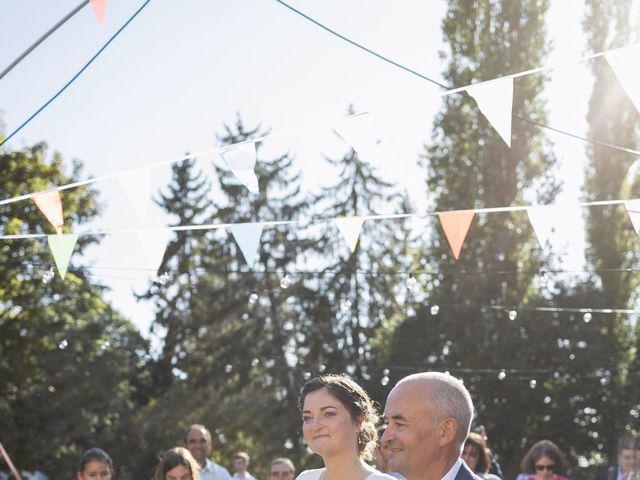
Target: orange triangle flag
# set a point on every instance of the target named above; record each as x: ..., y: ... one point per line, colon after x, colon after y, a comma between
x: 50, y: 205
x: 456, y: 225
x: 100, y: 9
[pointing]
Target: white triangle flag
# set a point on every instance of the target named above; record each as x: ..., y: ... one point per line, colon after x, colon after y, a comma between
x: 495, y: 100
x: 358, y: 131
x: 350, y: 228
x: 542, y: 220
x: 154, y: 242
x: 625, y: 63
x: 247, y: 236
x: 137, y: 185
x: 241, y: 160
x: 633, y: 209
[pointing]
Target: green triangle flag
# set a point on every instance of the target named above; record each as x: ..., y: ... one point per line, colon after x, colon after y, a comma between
x: 62, y: 247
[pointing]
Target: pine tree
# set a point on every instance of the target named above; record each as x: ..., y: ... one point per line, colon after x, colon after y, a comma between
x: 356, y: 292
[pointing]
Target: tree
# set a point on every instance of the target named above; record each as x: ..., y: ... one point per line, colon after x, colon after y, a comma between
x: 612, y: 244
x: 465, y: 325
x: 235, y: 333
x: 356, y: 292
x: 69, y: 362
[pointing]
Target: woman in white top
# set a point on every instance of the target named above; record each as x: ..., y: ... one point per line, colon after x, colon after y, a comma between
x: 338, y: 423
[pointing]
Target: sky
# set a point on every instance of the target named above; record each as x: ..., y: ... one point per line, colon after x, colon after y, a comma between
x: 180, y: 70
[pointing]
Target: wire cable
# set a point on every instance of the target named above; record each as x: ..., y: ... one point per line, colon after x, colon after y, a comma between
x: 86, y: 65
x: 43, y: 38
x: 455, y: 90
x: 362, y: 47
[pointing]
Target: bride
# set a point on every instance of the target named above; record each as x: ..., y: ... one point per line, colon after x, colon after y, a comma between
x: 339, y: 424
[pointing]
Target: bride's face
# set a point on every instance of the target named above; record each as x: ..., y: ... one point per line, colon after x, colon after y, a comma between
x: 327, y: 424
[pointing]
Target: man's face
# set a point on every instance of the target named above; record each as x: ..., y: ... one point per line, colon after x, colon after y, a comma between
x: 239, y: 465
x: 280, y: 471
x: 412, y: 430
x: 626, y: 460
x: 199, y: 444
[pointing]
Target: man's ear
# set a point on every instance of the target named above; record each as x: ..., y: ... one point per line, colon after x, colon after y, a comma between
x: 447, y: 431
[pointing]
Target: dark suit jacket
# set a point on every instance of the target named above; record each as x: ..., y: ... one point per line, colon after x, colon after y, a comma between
x: 465, y: 473
x: 610, y: 473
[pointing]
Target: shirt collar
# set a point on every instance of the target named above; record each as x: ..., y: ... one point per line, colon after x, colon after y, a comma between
x: 453, y: 471
x: 209, y: 466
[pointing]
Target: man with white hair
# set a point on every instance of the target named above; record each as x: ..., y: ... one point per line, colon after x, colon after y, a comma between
x: 428, y: 417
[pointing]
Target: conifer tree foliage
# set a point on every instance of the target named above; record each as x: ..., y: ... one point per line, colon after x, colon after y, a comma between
x: 248, y: 315
x: 613, y: 247
x: 186, y: 202
x: 468, y: 331
x: 70, y: 364
x: 231, y: 328
x: 355, y: 293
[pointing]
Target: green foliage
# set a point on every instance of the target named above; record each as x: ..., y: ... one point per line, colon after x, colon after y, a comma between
x: 612, y: 248
x: 69, y: 363
x: 469, y: 166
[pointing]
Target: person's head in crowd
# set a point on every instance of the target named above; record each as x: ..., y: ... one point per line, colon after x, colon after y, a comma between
x: 475, y: 453
x: 95, y: 464
x: 281, y: 469
x: 428, y: 418
x: 338, y: 417
x: 241, y: 462
x: 544, y: 460
x: 177, y: 464
x: 381, y: 453
x: 627, y: 454
x: 197, y: 440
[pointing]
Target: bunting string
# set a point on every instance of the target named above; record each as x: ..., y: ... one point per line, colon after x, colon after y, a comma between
x: 318, y: 220
x: 469, y: 88
x: 182, y: 158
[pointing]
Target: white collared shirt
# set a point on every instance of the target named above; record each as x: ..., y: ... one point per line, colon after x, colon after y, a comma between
x: 213, y: 471
x: 453, y: 471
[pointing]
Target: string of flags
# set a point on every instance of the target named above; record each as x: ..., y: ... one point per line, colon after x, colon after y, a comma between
x: 495, y: 97
x: 455, y: 226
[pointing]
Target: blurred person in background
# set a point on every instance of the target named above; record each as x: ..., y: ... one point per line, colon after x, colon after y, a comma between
x: 95, y: 464
x: 281, y: 468
x: 544, y: 461
x: 177, y: 464
x: 627, y: 461
x: 476, y: 455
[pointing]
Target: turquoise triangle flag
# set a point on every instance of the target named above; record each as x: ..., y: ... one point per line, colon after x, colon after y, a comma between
x: 61, y: 247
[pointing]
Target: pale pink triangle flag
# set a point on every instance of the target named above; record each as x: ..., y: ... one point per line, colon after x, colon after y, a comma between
x: 50, y: 205
x: 633, y: 209
x: 455, y: 226
x: 99, y: 9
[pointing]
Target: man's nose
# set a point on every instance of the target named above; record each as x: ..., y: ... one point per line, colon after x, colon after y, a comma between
x: 386, y: 436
